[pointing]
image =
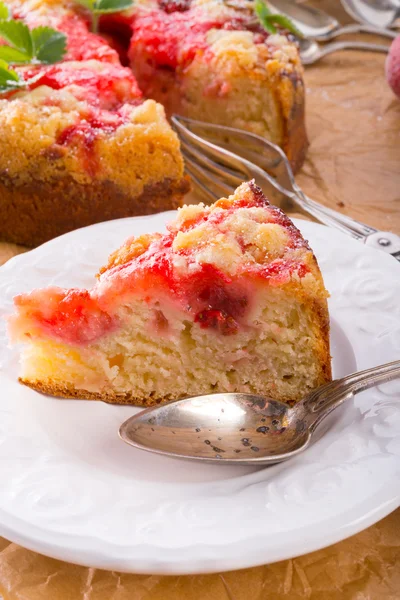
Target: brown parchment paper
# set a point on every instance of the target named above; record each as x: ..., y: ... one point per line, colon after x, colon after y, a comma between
x: 364, y: 567
x: 353, y: 165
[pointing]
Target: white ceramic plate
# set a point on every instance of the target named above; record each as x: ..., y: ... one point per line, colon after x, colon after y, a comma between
x: 69, y: 488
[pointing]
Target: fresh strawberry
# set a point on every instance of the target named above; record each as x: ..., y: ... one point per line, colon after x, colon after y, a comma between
x: 393, y: 66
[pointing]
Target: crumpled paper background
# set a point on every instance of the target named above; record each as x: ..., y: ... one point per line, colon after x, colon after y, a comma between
x: 364, y: 567
x: 353, y: 165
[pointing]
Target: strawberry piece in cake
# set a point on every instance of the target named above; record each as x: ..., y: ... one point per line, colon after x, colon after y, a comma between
x: 229, y: 299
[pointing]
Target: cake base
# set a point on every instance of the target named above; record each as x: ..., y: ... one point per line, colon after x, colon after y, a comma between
x: 70, y: 393
x: 27, y: 211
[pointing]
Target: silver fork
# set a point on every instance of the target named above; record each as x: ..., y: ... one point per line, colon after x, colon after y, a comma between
x: 311, y: 51
x: 219, y: 158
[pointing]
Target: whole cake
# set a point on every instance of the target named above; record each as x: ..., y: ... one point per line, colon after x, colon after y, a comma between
x: 231, y: 298
x: 82, y: 144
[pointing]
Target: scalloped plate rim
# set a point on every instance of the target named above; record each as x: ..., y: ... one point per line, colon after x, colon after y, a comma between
x: 47, y: 543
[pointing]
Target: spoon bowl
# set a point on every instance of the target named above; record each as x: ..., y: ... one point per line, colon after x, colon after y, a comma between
x: 231, y: 428
x: 245, y: 429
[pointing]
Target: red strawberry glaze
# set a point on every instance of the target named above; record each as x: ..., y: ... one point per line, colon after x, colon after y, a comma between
x: 170, y: 6
x: 210, y: 297
x: 171, y: 39
x: 70, y: 316
x: 110, y: 88
x: 81, y: 43
x: 86, y: 132
x: 174, y: 35
x: 224, y: 323
x: 84, y: 45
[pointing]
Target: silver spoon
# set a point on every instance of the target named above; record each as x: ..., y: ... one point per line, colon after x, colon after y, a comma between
x: 380, y: 13
x: 318, y: 25
x: 243, y: 429
x: 311, y: 52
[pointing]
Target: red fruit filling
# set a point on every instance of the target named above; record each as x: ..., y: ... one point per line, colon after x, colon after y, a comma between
x: 85, y: 133
x: 83, y: 45
x: 224, y: 323
x: 73, y: 317
x: 210, y: 297
x: 170, y: 6
x: 108, y: 89
x: 171, y: 39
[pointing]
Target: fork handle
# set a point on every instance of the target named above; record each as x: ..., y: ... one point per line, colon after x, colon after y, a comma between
x: 336, y: 46
x: 330, y: 217
x: 358, y: 28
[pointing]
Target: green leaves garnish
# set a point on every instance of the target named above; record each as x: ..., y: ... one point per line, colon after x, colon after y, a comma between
x: 41, y: 45
x: 19, y: 39
x: 49, y: 45
x: 271, y: 21
x: 9, y: 79
x: 100, y: 7
x: 107, y: 6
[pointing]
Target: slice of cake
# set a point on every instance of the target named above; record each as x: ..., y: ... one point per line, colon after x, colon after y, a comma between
x: 229, y: 299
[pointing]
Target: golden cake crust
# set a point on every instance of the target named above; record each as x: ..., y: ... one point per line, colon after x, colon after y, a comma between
x: 68, y: 392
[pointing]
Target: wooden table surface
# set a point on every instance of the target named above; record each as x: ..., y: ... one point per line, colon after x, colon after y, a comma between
x: 353, y: 166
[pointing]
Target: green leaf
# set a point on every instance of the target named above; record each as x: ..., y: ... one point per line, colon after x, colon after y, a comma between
x: 9, y: 79
x: 262, y: 10
x: 10, y: 72
x: 269, y: 26
x: 89, y: 4
x: 263, y: 13
x: 17, y: 35
x: 49, y: 44
x: 4, y: 12
x: 12, y: 55
x: 286, y: 23
x: 110, y: 6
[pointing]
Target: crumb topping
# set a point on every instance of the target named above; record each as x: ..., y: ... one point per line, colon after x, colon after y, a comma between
x: 236, y: 235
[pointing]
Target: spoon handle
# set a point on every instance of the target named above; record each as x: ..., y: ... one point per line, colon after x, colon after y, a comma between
x: 358, y: 382
x: 326, y: 398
